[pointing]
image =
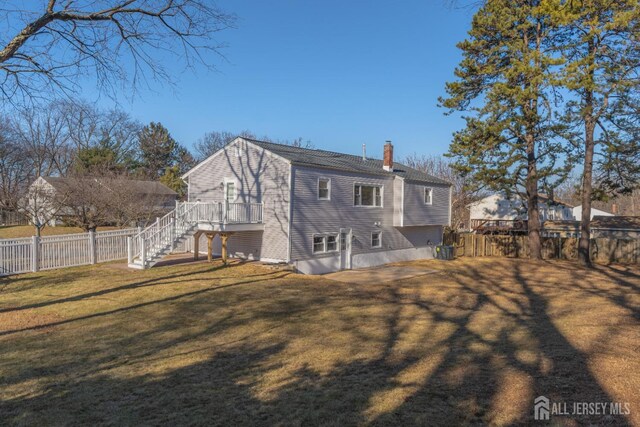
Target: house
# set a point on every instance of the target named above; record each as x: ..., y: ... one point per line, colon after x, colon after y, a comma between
x: 498, y: 213
x: 577, y: 212
x: 316, y: 210
x: 615, y: 227
x: 51, y: 199
x: 602, y: 227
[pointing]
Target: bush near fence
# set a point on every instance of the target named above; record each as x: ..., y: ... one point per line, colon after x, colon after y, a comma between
x: 10, y: 218
x: 603, y: 250
x: 33, y: 254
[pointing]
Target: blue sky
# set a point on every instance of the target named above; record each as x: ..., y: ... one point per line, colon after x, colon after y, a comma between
x: 338, y: 73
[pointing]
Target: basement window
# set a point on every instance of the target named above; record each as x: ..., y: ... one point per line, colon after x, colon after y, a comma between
x: 323, y: 243
x: 376, y: 239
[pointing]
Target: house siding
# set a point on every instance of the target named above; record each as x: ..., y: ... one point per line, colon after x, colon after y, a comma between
x: 416, y: 212
x: 260, y: 177
x: 311, y: 216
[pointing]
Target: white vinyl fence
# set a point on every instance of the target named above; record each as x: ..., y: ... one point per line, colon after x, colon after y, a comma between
x: 46, y: 253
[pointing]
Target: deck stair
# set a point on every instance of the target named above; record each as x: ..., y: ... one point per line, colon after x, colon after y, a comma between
x: 162, y: 237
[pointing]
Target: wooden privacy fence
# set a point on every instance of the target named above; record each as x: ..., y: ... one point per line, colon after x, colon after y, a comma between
x: 602, y: 250
x: 46, y: 253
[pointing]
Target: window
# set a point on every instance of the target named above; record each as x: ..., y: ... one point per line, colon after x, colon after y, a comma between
x: 367, y: 195
x: 318, y: 244
x: 376, y: 239
x: 325, y: 243
x: 230, y: 191
x: 428, y: 195
x: 332, y: 244
x: 324, y: 189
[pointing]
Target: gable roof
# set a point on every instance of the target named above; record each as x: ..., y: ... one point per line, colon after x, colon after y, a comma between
x: 616, y: 222
x: 139, y: 186
x: 338, y: 161
x: 541, y: 197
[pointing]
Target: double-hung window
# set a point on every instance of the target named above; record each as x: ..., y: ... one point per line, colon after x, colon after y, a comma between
x: 428, y: 196
x: 324, y: 189
x: 367, y: 195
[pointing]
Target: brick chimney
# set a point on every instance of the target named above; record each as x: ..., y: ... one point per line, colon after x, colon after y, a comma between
x: 387, y: 163
x: 614, y: 209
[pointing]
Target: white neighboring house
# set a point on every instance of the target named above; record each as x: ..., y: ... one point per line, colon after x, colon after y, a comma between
x: 50, y: 199
x: 498, y: 211
x: 577, y: 213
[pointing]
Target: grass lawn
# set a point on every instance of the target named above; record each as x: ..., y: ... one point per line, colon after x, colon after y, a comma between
x: 15, y: 231
x: 473, y: 343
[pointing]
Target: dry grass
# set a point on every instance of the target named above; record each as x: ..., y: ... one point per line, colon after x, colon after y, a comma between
x: 16, y: 231
x: 474, y: 343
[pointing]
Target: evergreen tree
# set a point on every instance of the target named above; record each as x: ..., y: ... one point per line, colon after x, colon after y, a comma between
x: 511, y: 141
x: 602, y: 73
x: 158, y: 150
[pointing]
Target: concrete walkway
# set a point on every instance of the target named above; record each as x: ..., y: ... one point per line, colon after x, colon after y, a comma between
x: 377, y: 275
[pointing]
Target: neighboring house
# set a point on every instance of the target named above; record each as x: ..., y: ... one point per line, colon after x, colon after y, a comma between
x: 577, y: 213
x: 497, y: 213
x: 613, y: 227
x: 53, y: 198
x: 322, y: 211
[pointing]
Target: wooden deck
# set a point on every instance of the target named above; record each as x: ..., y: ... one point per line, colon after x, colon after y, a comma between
x: 500, y: 226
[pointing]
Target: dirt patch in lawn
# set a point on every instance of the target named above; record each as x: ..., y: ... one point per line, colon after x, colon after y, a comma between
x: 204, y: 344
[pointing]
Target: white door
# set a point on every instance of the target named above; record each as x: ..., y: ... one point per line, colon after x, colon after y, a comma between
x: 345, y: 249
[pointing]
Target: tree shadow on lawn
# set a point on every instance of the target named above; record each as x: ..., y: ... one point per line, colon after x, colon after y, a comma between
x: 153, y: 281
x: 468, y: 349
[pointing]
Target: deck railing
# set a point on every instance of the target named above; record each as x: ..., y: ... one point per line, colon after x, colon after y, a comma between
x: 225, y: 212
x: 155, y: 240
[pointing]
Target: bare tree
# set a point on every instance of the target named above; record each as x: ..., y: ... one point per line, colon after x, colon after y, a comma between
x: 214, y: 141
x: 15, y: 167
x: 440, y: 167
x: 42, y: 132
x: 48, y: 48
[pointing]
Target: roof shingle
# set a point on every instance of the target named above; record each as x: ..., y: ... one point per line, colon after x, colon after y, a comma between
x: 344, y: 162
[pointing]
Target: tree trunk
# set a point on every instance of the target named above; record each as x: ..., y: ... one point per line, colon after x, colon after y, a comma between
x: 535, y: 246
x: 587, y: 184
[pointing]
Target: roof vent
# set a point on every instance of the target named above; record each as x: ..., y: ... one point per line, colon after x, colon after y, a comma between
x: 364, y: 152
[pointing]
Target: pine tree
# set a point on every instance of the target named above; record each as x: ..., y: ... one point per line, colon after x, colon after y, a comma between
x: 602, y: 73
x: 158, y: 150
x: 511, y: 141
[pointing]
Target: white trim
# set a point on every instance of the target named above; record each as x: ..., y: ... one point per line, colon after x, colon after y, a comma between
x: 379, y: 239
x: 402, y: 206
x: 322, y: 178
x: 313, y: 243
x: 362, y: 184
x: 290, y: 212
x: 450, y: 201
x: 324, y: 240
x: 217, y: 153
x: 226, y: 181
x: 208, y: 159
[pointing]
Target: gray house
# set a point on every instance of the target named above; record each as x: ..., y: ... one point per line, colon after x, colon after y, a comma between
x: 317, y: 210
